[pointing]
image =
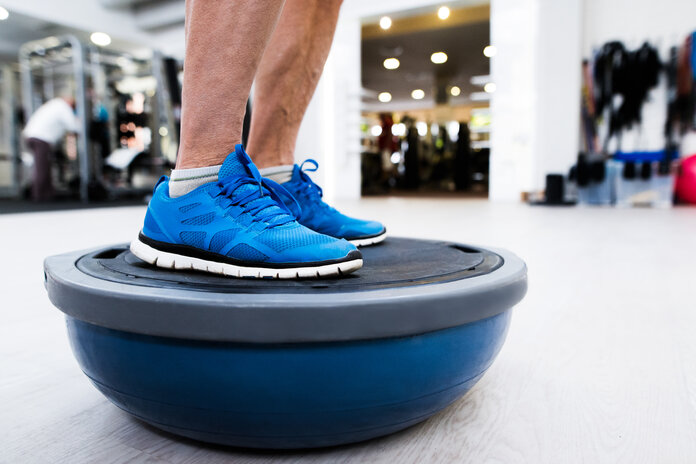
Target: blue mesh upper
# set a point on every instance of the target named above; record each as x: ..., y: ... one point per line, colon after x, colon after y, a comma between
x: 286, y: 238
x: 151, y: 225
x: 202, y: 220
x: 187, y: 208
x: 246, y: 253
x: 194, y: 239
x: 221, y: 238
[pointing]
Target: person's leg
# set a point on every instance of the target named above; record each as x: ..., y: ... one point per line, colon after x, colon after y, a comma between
x: 216, y: 213
x: 42, y: 188
x: 287, y: 77
x: 285, y: 82
x: 225, y: 41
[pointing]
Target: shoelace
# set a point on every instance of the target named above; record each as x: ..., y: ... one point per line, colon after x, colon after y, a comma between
x: 308, y: 189
x: 264, y: 197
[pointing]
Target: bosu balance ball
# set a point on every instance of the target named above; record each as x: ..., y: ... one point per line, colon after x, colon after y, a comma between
x: 288, y: 363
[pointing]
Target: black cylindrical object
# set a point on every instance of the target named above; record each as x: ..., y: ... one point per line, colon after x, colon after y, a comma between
x: 598, y: 171
x: 629, y: 170
x: 555, y: 192
x: 583, y: 171
x: 646, y: 170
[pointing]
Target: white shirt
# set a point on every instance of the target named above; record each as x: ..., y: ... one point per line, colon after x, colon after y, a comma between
x: 51, y: 122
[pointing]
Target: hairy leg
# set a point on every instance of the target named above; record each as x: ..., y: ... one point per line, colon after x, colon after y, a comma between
x: 287, y: 77
x: 225, y: 41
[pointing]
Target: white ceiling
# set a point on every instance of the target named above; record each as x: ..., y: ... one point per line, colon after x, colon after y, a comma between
x: 19, y: 29
x: 135, y: 26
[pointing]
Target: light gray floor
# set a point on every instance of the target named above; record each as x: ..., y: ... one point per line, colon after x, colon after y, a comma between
x: 599, y: 365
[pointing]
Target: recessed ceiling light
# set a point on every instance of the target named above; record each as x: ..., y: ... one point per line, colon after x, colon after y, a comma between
x: 490, y: 51
x: 443, y: 12
x: 455, y: 91
x: 385, y: 22
x: 490, y: 87
x: 4, y: 14
x: 100, y: 38
x: 391, y: 63
x: 438, y: 57
x: 384, y: 97
x: 418, y: 94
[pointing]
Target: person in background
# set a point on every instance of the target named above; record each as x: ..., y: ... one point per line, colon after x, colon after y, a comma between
x: 45, y: 129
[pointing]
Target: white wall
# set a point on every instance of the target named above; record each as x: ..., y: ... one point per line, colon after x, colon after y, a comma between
x: 330, y: 131
x: 557, y: 87
x: 535, y: 108
x: 664, y: 24
x: 513, y: 31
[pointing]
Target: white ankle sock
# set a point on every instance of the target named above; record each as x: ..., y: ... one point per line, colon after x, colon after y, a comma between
x: 182, y: 181
x: 279, y: 174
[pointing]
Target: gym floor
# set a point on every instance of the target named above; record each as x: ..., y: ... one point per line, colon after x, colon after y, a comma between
x: 599, y: 364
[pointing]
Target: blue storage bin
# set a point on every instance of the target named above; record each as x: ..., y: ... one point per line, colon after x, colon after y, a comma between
x: 656, y: 192
x: 600, y: 193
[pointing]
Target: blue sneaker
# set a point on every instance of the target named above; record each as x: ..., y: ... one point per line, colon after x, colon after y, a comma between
x: 237, y: 226
x: 324, y: 219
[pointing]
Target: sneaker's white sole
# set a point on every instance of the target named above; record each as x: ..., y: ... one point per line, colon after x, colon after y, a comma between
x: 369, y: 241
x: 174, y: 261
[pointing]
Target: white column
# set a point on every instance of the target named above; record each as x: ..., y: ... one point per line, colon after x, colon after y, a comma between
x: 330, y: 131
x: 536, y: 106
x: 558, y: 46
x: 513, y: 27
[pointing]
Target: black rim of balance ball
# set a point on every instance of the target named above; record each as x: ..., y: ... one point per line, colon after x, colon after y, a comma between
x: 406, y: 287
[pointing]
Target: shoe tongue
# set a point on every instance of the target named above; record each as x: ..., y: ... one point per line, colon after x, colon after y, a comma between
x: 296, y: 177
x: 237, y: 163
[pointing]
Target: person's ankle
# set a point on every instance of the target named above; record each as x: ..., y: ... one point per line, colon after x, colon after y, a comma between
x: 270, y: 155
x: 183, y: 181
x: 279, y: 174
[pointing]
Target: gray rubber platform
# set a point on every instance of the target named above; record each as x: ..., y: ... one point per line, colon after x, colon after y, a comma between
x: 406, y: 287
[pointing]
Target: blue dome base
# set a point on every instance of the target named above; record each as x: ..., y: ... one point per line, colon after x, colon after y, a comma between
x: 295, y: 395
